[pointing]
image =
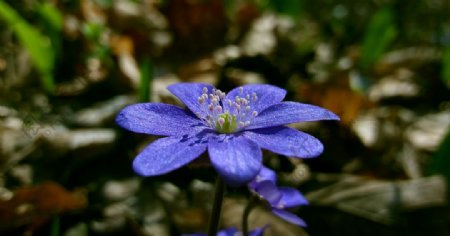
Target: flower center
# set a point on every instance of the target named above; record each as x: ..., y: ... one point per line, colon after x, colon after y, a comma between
x: 226, y: 115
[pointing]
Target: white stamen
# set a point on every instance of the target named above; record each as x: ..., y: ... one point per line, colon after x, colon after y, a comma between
x: 254, y: 97
x: 228, y: 115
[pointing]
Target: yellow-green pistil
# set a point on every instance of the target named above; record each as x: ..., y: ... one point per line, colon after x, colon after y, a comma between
x: 223, y: 114
x: 226, y: 123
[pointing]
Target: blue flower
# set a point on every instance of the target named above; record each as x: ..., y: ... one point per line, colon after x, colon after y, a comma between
x: 233, y: 128
x: 233, y: 232
x: 279, y: 198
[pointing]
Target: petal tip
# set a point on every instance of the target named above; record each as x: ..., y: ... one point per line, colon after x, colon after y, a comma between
x: 334, y: 117
x: 137, y: 168
x: 121, y: 118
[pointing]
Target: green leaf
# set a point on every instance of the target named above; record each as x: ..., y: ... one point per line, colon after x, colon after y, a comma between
x: 51, y: 15
x: 446, y: 66
x: 55, y: 229
x: 440, y: 163
x: 92, y: 31
x: 290, y: 8
x: 380, y: 33
x: 37, y: 45
x: 230, y: 6
x: 52, y: 23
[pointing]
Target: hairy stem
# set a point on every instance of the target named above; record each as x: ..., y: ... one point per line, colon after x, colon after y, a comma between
x: 251, y: 203
x: 217, y: 207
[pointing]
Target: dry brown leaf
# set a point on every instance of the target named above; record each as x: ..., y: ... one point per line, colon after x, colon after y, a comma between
x: 340, y: 99
x: 35, y: 205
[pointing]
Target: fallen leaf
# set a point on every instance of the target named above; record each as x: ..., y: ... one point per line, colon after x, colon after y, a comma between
x: 34, y: 205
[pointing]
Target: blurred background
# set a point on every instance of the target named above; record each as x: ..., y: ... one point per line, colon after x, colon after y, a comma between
x: 67, y: 68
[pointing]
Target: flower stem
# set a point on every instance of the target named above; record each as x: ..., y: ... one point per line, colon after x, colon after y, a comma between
x: 251, y: 203
x: 217, y: 207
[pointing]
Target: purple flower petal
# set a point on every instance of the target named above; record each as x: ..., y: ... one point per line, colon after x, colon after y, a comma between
x: 167, y: 154
x: 289, y: 217
x: 265, y: 174
x: 257, y: 231
x: 291, y: 197
x: 158, y: 119
x: 228, y: 232
x: 286, y: 141
x: 189, y: 93
x: 267, y: 95
x: 290, y: 112
x: 269, y: 191
x: 233, y: 232
x: 235, y: 158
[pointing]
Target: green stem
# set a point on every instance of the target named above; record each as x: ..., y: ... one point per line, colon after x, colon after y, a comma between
x: 251, y: 203
x: 145, y: 82
x: 217, y: 207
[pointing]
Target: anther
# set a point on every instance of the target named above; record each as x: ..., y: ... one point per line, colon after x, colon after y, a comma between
x: 254, y: 97
x: 221, y: 121
x: 226, y: 115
